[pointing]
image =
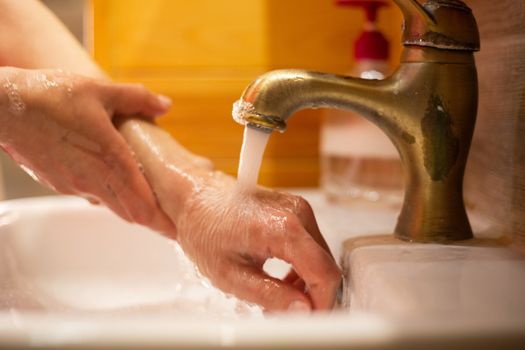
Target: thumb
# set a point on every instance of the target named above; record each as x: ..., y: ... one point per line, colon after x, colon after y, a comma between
x: 135, y: 99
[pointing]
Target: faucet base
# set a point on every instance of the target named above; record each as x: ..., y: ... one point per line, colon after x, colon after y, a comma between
x: 435, y: 230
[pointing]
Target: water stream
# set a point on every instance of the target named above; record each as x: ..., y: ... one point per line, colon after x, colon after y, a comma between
x: 252, y: 151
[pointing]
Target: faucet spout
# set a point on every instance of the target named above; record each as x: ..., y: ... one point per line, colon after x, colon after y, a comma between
x: 275, y: 96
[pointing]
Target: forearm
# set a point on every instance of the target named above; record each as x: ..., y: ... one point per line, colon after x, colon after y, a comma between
x: 167, y: 165
x: 32, y: 37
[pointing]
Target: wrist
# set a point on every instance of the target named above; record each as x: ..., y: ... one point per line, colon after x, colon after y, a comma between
x: 186, y: 183
x: 176, y: 175
x: 208, y: 191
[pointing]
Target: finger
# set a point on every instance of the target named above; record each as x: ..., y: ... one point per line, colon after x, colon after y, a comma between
x: 300, y: 284
x: 96, y: 195
x: 135, y: 99
x: 110, y: 202
x: 306, y: 215
x: 312, y: 263
x: 291, y: 277
x: 92, y: 200
x: 295, y: 280
x: 252, y: 284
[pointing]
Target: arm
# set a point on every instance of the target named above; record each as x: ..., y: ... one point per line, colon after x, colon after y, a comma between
x: 32, y: 37
x: 57, y: 123
x: 57, y: 126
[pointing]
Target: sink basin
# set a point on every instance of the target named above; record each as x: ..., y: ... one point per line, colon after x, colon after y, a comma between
x: 60, y: 255
x: 75, y: 275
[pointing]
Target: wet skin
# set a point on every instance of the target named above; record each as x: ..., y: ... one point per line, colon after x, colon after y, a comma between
x: 230, y: 232
x: 58, y: 126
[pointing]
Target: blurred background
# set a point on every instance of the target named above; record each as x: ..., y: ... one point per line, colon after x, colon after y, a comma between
x: 203, y: 53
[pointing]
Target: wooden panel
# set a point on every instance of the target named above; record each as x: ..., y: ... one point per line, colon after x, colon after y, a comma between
x: 495, y: 181
x: 156, y: 34
x: 203, y: 53
x: 320, y: 35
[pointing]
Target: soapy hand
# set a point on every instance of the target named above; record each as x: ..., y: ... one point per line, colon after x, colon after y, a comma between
x: 58, y: 127
x: 229, y: 233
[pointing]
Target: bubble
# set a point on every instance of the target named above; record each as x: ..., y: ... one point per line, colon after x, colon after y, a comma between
x: 16, y: 104
x: 46, y: 82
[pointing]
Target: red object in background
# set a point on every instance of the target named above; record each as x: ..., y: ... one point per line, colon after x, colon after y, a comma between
x: 371, y: 44
x: 371, y: 7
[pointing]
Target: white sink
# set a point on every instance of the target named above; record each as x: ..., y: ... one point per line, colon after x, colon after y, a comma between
x: 74, y: 275
x: 61, y: 255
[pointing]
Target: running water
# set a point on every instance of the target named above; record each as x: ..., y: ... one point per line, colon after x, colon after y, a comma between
x: 253, y: 146
x: 252, y: 151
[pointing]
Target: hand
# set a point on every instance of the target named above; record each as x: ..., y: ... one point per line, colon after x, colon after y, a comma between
x: 58, y: 127
x: 230, y: 233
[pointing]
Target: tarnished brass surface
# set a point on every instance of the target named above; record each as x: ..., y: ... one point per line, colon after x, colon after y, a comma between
x: 427, y: 108
x: 443, y: 24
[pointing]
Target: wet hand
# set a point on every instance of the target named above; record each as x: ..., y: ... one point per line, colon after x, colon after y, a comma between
x: 230, y: 233
x: 58, y: 126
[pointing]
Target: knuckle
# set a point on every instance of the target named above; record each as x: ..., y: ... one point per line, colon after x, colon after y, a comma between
x: 302, y: 205
x: 306, y: 205
x: 292, y: 224
x: 297, y: 205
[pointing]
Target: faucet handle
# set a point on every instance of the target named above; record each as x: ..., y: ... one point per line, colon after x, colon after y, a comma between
x: 441, y: 24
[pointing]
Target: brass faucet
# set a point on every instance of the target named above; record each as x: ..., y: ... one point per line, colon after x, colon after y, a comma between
x: 427, y: 108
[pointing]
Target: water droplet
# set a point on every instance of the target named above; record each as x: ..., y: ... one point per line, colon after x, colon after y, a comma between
x: 240, y: 109
x: 30, y: 172
x: 16, y: 104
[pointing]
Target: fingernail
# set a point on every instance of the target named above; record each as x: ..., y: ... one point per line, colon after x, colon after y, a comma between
x: 165, y: 101
x: 299, y: 306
